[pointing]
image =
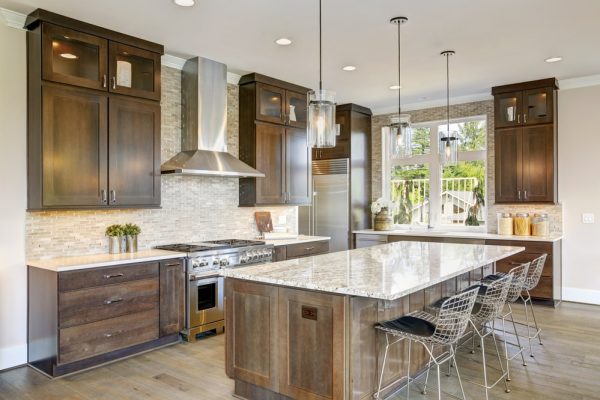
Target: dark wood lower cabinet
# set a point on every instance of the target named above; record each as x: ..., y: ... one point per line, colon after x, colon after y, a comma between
x: 172, y: 297
x: 300, y: 250
x: 79, y: 319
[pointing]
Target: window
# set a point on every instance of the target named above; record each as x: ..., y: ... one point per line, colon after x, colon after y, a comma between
x: 429, y: 194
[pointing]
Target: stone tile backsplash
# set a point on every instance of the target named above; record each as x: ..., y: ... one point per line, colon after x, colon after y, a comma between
x: 193, y: 208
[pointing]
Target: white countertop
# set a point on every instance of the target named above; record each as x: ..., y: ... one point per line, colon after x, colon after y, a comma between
x: 388, y: 271
x: 464, y: 235
x: 298, y: 239
x: 62, y: 264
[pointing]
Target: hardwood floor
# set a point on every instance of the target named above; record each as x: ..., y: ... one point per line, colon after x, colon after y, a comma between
x: 567, y: 367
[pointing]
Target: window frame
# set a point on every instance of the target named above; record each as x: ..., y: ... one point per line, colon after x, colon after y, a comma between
x: 435, y: 171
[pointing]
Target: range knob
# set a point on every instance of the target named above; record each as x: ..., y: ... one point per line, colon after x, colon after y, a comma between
x: 224, y: 262
x: 204, y: 263
x: 243, y: 259
x: 216, y: 262
x: 196, y: 263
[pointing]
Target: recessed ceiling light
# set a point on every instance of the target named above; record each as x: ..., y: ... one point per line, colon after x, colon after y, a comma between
x: 553, y: 59
x: 395, y: 87
x: 348, y: 67
x: 69, y: 56
x: 283, y: 41
x: 185, y: 3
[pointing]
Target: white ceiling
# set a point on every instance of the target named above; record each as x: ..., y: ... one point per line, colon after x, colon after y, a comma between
x: 496, y: 41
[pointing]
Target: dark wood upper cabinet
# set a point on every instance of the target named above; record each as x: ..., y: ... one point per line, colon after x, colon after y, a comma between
x: 273, y: 139
x: 74, y: 58
x: 74, y: 152
x: 92, y: 141
x: 134, y: 149
x: 134, y: 72
x: 297, y: 162
x: 525, y: 142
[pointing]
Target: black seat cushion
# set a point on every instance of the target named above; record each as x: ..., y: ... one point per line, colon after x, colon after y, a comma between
x: 408, y: 324
x: 494, y: 277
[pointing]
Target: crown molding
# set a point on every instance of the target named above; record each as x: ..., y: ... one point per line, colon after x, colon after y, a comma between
x: 582, y: 81
x: 433, y: 103
x: 13, y: 19
x: 169, y: 60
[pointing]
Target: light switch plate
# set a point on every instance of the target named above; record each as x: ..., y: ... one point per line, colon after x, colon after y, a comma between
x: 587, y: 218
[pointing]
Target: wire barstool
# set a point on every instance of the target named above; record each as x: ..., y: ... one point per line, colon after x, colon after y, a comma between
x: 421, y: 327
x: 519, y: 275
x: 532, y: 280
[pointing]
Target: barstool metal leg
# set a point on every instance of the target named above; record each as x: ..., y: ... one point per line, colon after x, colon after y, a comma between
x: 537, y: 329
x: 517, y: 336
x: 507, y: 389
x: 462, y: 389
x: 424, y: 391
x: 408, y: 372
x: 439, y: 381
x: 387, y: 346
x: 528, y: 326
x: 505, y: 350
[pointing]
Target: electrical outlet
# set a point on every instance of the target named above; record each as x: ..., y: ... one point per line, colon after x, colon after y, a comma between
x: 587, y: 218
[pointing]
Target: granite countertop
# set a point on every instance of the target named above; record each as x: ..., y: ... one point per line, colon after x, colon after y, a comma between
x: 296, y: 240
x: 463, y: 235
x: 387, y: 272
x: 62, y: 264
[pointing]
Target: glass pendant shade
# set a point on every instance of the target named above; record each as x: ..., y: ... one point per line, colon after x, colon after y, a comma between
x: 322, y: 129
x: 400, y: 136
x: 448, y: 148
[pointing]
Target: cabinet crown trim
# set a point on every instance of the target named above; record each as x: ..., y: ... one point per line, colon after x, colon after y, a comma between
x: 540, y: 83
x: 40, y: 15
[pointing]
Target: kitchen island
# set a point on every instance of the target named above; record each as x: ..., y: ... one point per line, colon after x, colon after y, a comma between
x: 303, y: 329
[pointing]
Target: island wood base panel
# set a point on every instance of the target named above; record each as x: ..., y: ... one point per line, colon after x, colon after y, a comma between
x: 284, y: 343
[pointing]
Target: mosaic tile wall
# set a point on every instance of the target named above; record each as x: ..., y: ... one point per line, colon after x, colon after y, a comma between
x: 460, y: 111
x: 193, y: 208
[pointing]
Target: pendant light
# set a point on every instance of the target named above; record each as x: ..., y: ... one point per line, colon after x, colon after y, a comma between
x: 400, y: 130
x: 448, y: 139
x: 322, y: 129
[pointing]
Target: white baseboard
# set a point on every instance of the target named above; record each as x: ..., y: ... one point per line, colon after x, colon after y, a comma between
x: 13, y: 356
x: 576, y: 295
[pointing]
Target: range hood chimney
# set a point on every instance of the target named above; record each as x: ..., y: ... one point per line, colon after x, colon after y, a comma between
x: 204, y: 124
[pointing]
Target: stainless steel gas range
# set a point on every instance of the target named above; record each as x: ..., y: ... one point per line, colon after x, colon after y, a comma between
x: 204, y: 290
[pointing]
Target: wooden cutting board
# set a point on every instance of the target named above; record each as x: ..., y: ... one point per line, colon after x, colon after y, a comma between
x: 263, y: 221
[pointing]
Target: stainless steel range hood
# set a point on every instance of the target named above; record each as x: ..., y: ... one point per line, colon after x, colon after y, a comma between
x: 204, y: 124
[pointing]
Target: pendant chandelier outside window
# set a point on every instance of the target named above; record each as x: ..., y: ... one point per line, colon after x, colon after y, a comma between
x: 322, y: 129
x: 448, y: 139
x: 400, y: 130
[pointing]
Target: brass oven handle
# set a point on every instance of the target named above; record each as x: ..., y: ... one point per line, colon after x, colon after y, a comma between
x: 107, y: 276
x: 109, y: 302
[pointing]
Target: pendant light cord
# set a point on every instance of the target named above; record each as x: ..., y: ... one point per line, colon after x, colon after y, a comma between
x: 399, y: 73
x: 448, y: 94
x: 320, y: 50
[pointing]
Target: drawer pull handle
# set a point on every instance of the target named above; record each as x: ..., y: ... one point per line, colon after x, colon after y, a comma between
x: 308, y: 248
x: 108, y: 276
x: 108, y: 335
x: 107, y: 302
x: 173, y: 265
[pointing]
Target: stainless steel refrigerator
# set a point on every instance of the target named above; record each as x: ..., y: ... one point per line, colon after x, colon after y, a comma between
x: 329, y: 214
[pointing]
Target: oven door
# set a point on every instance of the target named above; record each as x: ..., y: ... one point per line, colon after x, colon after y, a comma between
x: 205, y: 301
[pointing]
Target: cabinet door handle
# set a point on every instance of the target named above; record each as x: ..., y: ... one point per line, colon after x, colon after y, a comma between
x: 114, y: 82
x: 113, y: 196
x: 308, y: 248
x: 108, y: 276
x: 519, y: 194
x: 112, y: 301
x: 525, y: 194
x: 524, y: 118
x: 518, y: 118
x: 173, y: 265
x: 109, y: 335
x: 104, y: 80
x: 103, y: 195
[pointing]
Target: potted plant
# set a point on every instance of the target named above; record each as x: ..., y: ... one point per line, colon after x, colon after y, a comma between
x: 131, y: 232
x: 115, y: 234
x: 383, y: 210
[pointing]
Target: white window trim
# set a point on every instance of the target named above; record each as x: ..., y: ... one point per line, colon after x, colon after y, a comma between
x: 435, y: 172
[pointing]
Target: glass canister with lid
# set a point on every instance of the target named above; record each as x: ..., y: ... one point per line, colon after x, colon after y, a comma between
x: 540, y: 226
x: 505, y: 224
x: 522, y: 224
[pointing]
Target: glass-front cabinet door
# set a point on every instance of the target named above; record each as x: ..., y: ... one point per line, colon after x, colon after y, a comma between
x: 73, y: 57
x: 508, y: 109
x: 295, y: 109
x: 134, y: 71
x: 270, y: 102
x: 538, y: 106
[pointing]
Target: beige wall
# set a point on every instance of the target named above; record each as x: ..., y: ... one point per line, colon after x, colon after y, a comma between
x: 13, y: 275
x: 479, y: 108
x: 579, y: 191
